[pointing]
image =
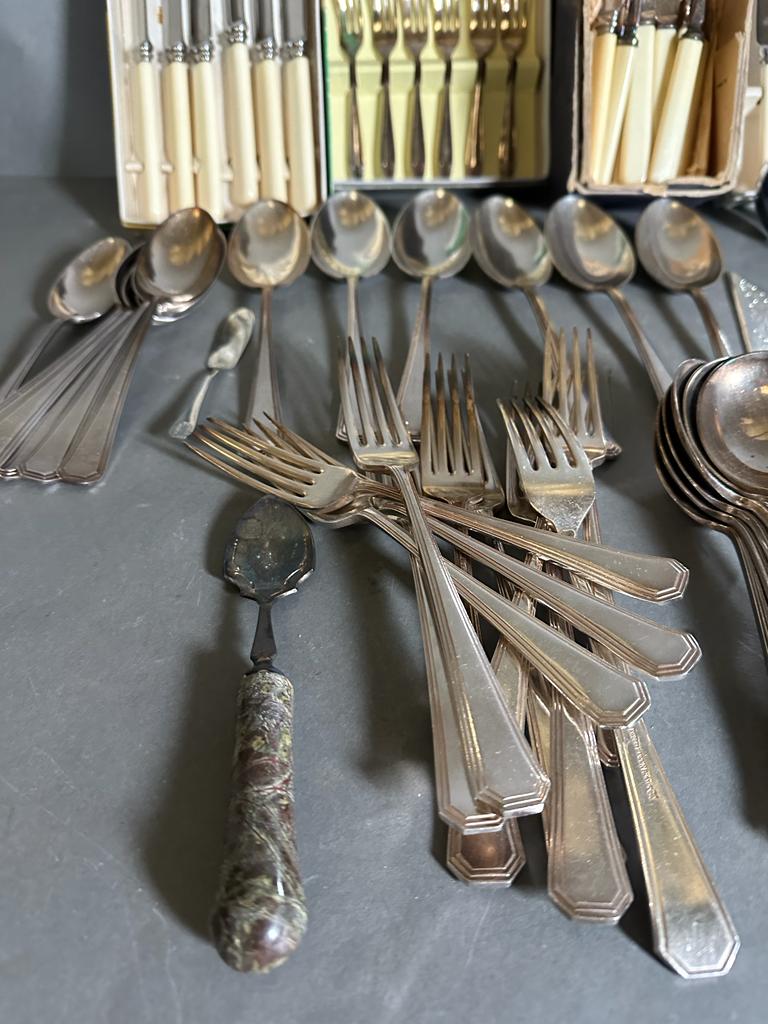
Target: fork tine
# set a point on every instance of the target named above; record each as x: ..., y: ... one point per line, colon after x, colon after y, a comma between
x: 249, y: 441
x: 229, y: 470
x: 533, y: 441
x: 290, y: 486
x: 381, y: 424
x: 279, y: 462
x: 427, y: 424
x: 556, y: 444
x: 577, y: 411
x: 562, y: 376
x: 458, y: 438
x: 395, y: 416
x: 595, y: 410
x: 444, y: 461
x: 355, y: 411
x: 302, y: 446
x: 568, y: 436
x: 549, y: 367
x: 474, y: 429
x: 522, y: 459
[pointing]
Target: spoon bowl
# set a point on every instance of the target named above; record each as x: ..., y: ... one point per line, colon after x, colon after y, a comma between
x: 508, y: 244
x: 182, y: 258
x: 350, y: 237
x: 430, y: 237
x: 676, y: 246
x: 732, y: 420
x: 85, y: 289
x: 588, y: 247
x: 269, y: 246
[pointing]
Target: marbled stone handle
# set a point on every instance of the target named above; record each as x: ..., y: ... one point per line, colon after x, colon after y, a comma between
x: 260, y: 915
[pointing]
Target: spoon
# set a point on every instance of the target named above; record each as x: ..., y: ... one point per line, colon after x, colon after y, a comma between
x: 350, y: 239
x: 83, y: 292
x: 233, y: 336
x: 268, y: 248
x: 732, y: 421
x: 176, y: 267
x: 510, y: 249
x: 260, y: 913
x: 430, y: 240
x: 680, y: 252
x: 591, y: 251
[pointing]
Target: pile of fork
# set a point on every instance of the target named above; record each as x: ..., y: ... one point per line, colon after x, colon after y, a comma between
x: 578, y: 693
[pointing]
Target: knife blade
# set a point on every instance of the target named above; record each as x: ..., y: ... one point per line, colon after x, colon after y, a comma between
x: 761, y: 26
x: 295, y: 21
x: 173, y: 28
x: 201, y: 23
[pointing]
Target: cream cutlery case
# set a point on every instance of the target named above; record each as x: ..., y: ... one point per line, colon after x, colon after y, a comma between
x: 244, y: 122
x: 532, y: 103
x: 711, y: 140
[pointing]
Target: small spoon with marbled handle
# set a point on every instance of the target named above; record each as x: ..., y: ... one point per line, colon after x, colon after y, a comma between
x: 260, y: 913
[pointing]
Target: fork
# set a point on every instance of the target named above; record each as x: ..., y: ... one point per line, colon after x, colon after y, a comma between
x: 482, y: 35
x: 445, y: 24
x: 691, y: 927
x: 415, y: 21
x: 513, y: 31
x: 498, y: 760
x: 384, y: 33
x: 351, y: 38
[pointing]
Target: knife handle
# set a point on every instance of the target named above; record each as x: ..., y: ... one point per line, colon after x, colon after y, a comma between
x: 178, y: 134
x: 603, y: 56
x: 267, y: 89
x: 621, y: 80
x: 205, y: 123
x: 241, y: 137
x: 664, y: 46
x: 300, y: 135
x: 148, y: 143
x: 636, y: 139
x: 670, y: 138
x: 764, y: 110
x: 260, y: 913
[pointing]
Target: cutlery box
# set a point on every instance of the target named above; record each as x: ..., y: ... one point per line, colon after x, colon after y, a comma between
x: 712, y: 169
x: 124, y: 32
x: 753, y: 158
x: 532, y: 103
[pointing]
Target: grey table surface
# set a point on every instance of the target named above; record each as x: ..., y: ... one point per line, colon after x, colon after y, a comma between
x: 122, y: 648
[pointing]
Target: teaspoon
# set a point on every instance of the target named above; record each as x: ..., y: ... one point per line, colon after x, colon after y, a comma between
x: 591, y: 251
x: 268, y: 248
x: 679, y: 251
x: 430, y: 240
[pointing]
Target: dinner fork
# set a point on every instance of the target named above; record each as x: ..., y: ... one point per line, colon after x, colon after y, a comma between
x: 498, y: 759
x: 415, y: 21
x: 351, y: 38
x: 513, y: 31
x: 692, y: 930
x: 384, y: 33
x: 482, y: 35
x: 445, y: 24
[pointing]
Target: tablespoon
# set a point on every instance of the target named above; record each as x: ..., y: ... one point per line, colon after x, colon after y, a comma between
x: 268, y: 248
x: 591, y: 251
x: 510, y: 248
x: 679, y: 251
x: 83, y: 292
x: 350, y: 240
x: 430, y: 240
x: 232, y: 338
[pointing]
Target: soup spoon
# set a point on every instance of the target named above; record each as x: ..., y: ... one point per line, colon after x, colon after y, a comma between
x: 679, y: 251
x: 430, y: 240
x: 511, y: 249
x: 591, y: 251
x: 269, y: 248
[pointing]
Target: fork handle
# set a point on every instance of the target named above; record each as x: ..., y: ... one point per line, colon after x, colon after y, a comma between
x: 387, y: 154
x: 260, y: 913
x: 445, y: 144
x: 355, y: 137
x: 417, y: 127
x: 508, y: 140
x: 473, y: 156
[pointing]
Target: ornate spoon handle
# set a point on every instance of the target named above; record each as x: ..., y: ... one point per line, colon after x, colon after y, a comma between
x: 260, y: 913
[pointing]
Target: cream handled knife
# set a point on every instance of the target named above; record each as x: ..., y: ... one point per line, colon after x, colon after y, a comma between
x: 177, y: 117
x: 299, y: 112
x: 268, y: 90
x: 205, y: 114
x: 761, y: 20
x: 678, y: 102
x: 604, y: 41
x: 621, y: 79
x: 152, y: 201
x: 238, y: 102
x: 664, y: 46
x: 637, y: 134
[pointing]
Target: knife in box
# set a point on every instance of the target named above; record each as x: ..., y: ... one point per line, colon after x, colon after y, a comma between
x: 761, y: 21
x: 299, y: 114
x: 238, y: 102
x: 205, y: 114
x: 177, y: 117
x: 146, y: 122
x: 268, y: 92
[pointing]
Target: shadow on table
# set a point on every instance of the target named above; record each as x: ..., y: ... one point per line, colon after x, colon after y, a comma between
x: 183, y: 841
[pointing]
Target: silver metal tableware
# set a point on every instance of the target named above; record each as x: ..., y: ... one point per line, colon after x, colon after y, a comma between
x: 351, y: 38
x: 146, y: 123
x: 177, y: 111
x: 513, y: 31
x: 414, y: 18
x: 384, y: 33
x: 239, y: 107
x: 482, y: 34
x: 446, y: 23
x: 260, y: 913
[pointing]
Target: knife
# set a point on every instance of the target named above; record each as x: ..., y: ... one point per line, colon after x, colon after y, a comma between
x: 299, y: 112
x: 761, y: 21
x: 668, y: 148
x: 626, y: 50
x: 604, y: 41
x: 637, y: 134
x: 238, y: 106
x: 152, y: 200
x: 205, y: 114
x: 267, y: 89
x: 177, y: 116
x: 664, y: 46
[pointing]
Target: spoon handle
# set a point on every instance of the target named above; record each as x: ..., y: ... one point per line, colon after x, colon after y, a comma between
x: 409, y: 392
x: 260, y: 913
x: 659, y: 375
x: 717, y: 339
x: 18, y: 374
x: 264, y: 397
